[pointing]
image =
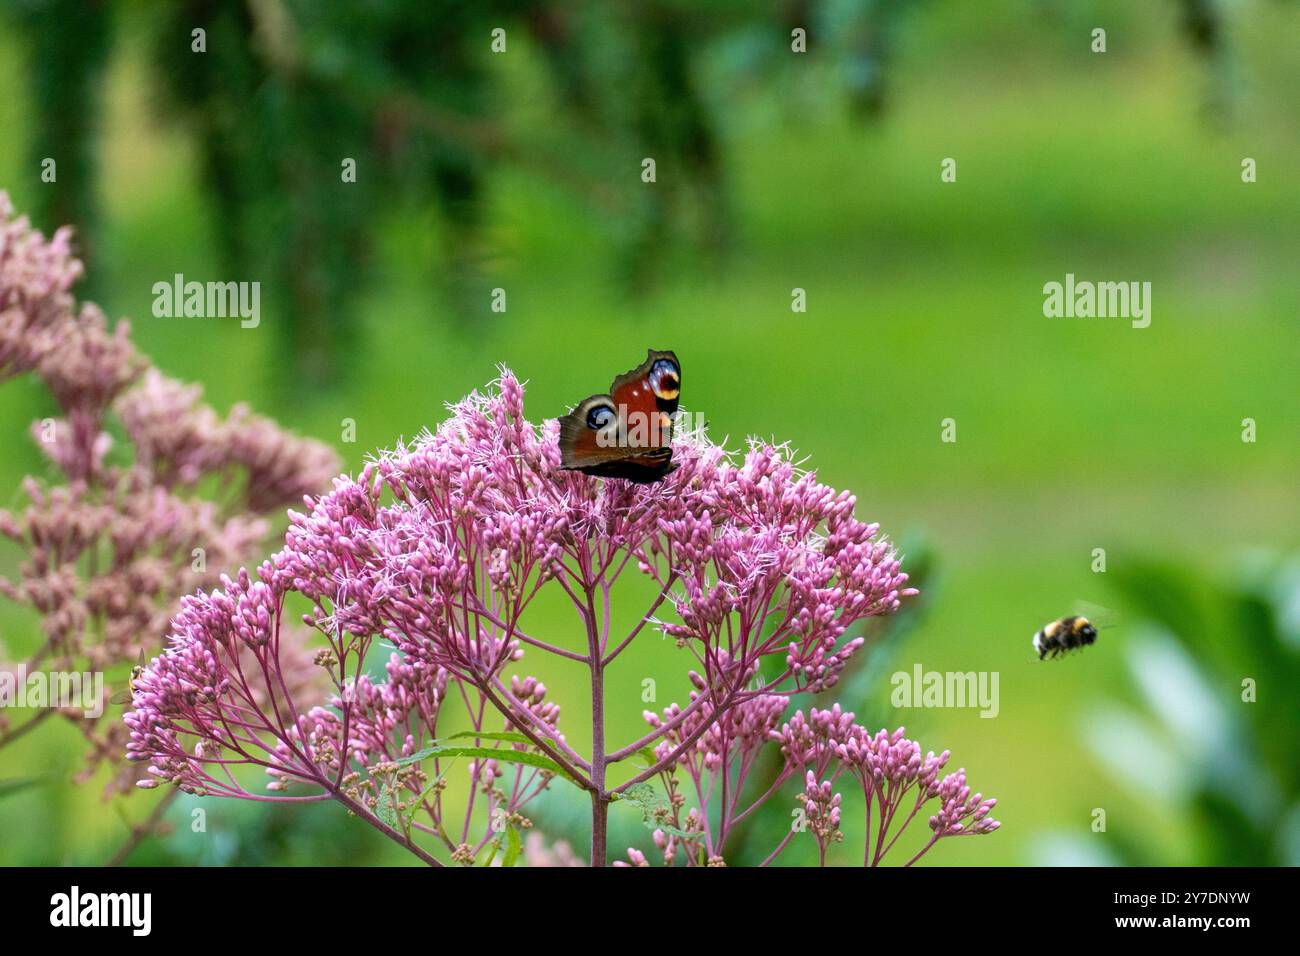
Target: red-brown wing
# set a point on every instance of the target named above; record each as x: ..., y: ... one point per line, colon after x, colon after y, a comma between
x: 646, y: 398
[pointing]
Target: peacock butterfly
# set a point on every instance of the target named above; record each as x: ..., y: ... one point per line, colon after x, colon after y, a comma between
x: 626, y: 433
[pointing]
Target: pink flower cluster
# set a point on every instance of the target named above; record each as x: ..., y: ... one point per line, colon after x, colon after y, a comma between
x: 821, y: 749
x: 108, y: 548
x: 889, y: 768
x: 35, y: 278
x: 437, y: 551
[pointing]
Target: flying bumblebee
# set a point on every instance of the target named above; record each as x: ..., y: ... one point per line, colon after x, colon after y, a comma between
x: 1064, y: 635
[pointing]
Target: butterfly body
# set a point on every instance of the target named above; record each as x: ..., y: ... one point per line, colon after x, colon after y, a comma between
x: 627, y: 432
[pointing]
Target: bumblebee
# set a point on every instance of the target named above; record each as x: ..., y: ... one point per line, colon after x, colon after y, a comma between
x: 1060, y: 637
x: 126, y: 696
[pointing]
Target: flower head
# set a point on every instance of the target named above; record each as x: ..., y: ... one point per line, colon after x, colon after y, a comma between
x: 438, y: 549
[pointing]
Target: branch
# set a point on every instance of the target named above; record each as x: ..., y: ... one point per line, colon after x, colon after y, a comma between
x: 140, y: 831
x: 672, y: 578
x: 541, y: 744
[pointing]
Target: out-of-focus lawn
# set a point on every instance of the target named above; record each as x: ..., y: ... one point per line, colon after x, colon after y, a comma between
x: 924, y: 303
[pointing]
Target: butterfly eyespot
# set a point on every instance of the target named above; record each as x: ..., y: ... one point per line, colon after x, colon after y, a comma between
x: 665, y: 379
x: 664, y: 370
x: 599, y: 417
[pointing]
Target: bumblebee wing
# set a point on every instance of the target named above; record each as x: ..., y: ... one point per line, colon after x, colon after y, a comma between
x: 1100, y: 616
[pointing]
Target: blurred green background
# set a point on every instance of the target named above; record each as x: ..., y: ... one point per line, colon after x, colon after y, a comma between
x: 521, y: 171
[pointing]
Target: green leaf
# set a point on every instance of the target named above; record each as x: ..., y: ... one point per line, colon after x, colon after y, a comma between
x: 508, y: 737
x: 645, y: 796
x: 386, y: 809
x: 434, y: 748
x: 504, y: 755
x: 513, y: 847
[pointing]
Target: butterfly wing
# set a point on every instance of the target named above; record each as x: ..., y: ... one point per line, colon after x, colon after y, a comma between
x: 589, y: 434
x: 646, y: 398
